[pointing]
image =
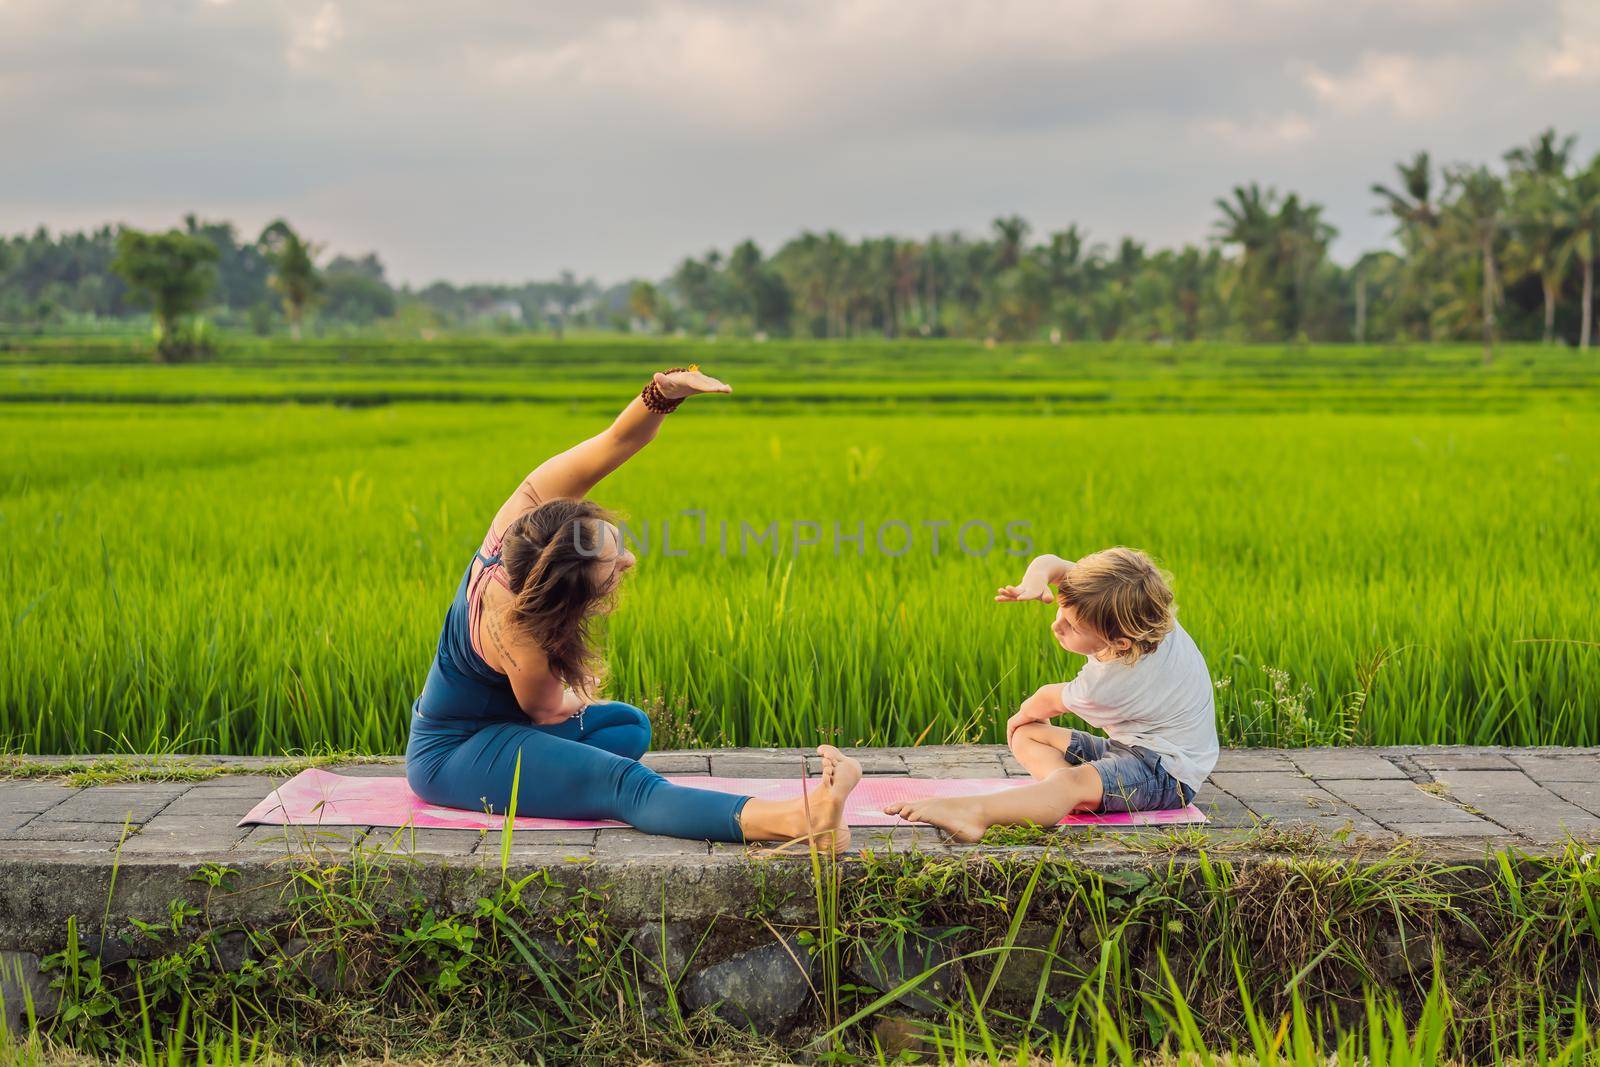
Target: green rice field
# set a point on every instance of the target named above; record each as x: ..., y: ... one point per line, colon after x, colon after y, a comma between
x: 1372, y: 545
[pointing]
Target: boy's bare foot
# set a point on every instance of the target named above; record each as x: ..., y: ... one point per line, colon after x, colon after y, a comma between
x: 960, y: 817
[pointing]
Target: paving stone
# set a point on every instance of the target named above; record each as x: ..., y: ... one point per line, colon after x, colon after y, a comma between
x: 216, y: 805
x: 33, y: 797
x: 185, y: 833
x: 1390, y: 802
x: 1472, y: 786
x: 1013, y: 768
x: 1244, y: 784
x: 628, y: 844
x: 944, y: 757
x: 1551, y: 821
x: 258, y: 785
x: 1253, y: 759
x: 11, y: 820
x: 1475, y: 828
x: 1584, y: 794
x: 424, y: 841
x: 1464, y: 760
x: 537, y: 838
x: 960, y: 770
x: 1520, y: 804
x: 956, y: 765
x: 897, y: 839
x: 370, y: 770
x: 35, y: 847
x: 538, y: 855
x: 1332, y: 824
x: 1299, y: 809
x: 62, y: 830
x: 759, y: 765
x: 1402, y: 789
x: 1398, y: 813
x: 873, y: 762
x: 1323, y: 764
x: 1582, y: 767
x: 301, y: 840
x: 1222, y: 810
x: 677, y: 762
x: 558, y: 847
x: 114, y: 803
x: 733, y: 851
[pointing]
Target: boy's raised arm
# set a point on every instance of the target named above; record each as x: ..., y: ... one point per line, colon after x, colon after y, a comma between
x: 1041, y: 574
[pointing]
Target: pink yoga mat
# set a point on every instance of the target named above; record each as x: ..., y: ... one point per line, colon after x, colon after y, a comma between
x: 320, y: 798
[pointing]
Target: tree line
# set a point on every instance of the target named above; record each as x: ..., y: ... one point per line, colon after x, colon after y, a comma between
x: 202, y: 276
x: 1483, y: 252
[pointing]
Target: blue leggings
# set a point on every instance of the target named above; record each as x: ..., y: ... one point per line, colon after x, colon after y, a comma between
x: 585, y: 768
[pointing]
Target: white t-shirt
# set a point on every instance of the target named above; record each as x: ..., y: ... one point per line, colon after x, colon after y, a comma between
x: 1163, y: 702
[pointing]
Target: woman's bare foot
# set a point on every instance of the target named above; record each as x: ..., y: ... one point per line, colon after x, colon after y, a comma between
x: 823, y: 805
x: 816, y: 818
x: 960, y: 817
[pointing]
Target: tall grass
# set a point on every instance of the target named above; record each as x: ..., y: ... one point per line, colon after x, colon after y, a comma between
x: 258, y: 578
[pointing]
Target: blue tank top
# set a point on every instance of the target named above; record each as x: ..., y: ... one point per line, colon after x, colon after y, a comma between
x: 461, y: 687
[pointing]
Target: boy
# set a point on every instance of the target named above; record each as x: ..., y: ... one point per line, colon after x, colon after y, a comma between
x: 1145, y: 684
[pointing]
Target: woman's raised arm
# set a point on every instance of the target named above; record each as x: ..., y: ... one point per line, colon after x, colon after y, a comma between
x: 577, y: 470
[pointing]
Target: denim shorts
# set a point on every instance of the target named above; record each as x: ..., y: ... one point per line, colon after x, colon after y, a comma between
x: 1131, y: 775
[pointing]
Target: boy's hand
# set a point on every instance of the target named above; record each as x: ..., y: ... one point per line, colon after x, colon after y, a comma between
x: 1021, y: 718
x: 1042, y: 706
x: 1041, y: 574
x: 1008, y: 594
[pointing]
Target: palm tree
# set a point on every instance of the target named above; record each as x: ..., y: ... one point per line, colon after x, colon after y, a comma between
x: 1249, y: 221
x: 294, y: 271
x: 1476, y: 215
x: 1547, y: 155
x: 1361, y: 272
x: 1538, y: 170
x: 1009, y: 233
x: 1283, y: 245
x: 1417, y: 216
x: 1579, y: 214
x: 1413, y: 208
x: 1302, y: 239
x: 1064, y: 267
x: 1542, y: 241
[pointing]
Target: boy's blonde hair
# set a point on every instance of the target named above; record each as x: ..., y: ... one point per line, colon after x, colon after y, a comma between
x: 1121, y: 593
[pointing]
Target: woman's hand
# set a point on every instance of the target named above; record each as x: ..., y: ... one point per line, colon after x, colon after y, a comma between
x: 572, y: 702
x: 575, y: 700
x: 552, y: 716
x: 682, y: 383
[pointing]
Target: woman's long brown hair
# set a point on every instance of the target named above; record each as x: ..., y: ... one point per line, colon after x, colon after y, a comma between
x: 549, y: 556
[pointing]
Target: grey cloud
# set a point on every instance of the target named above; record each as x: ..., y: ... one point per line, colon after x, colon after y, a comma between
x: 497, y: 140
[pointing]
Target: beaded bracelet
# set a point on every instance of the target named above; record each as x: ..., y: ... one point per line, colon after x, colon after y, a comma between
x: 655, y: 400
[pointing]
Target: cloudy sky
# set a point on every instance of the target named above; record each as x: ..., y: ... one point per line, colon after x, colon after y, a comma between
x: 479, y: 140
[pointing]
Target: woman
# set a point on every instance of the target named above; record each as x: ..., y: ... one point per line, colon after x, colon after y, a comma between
x: 516, y: 669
